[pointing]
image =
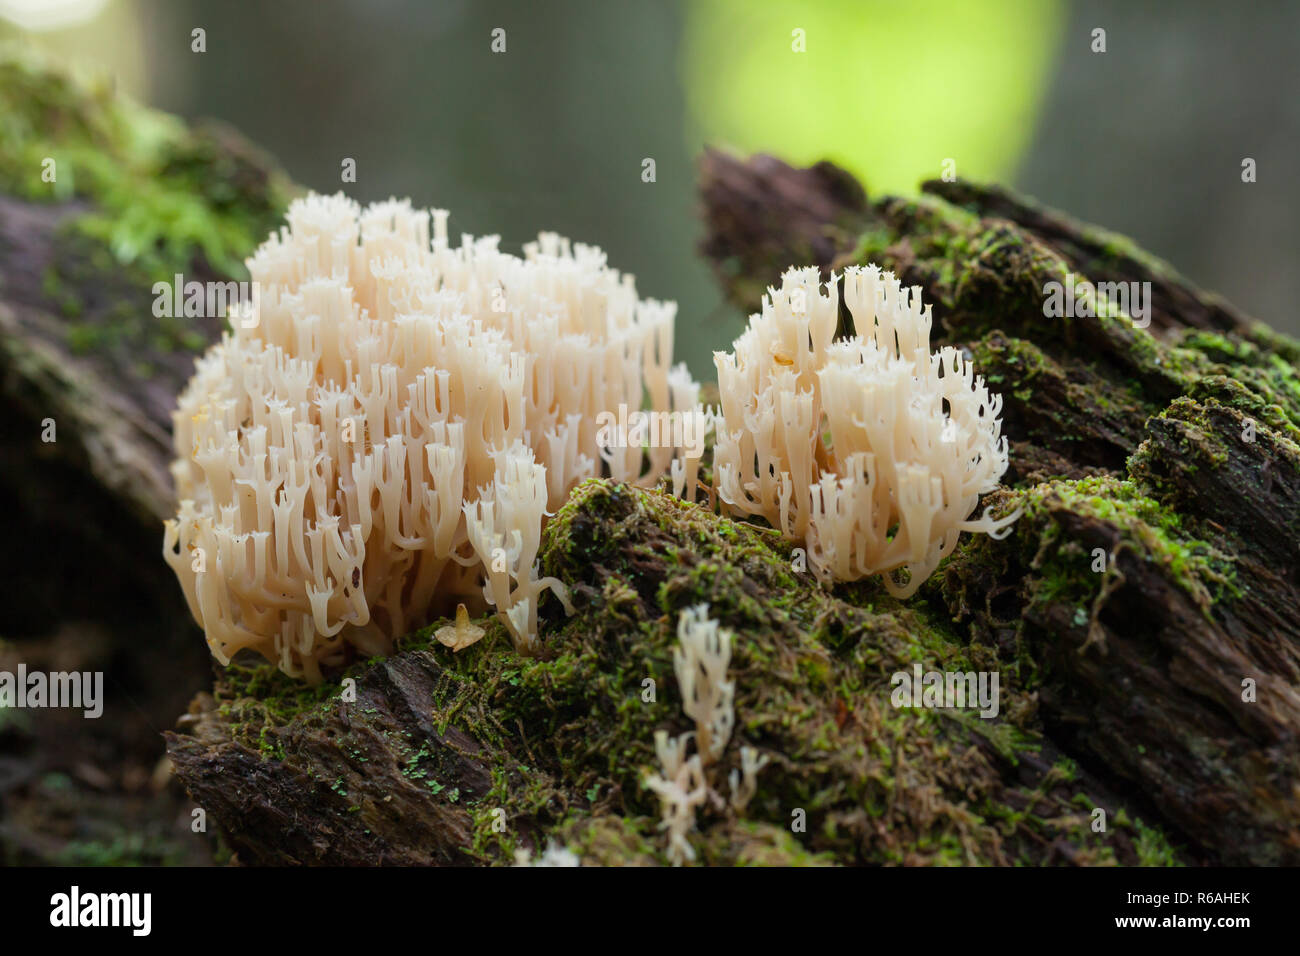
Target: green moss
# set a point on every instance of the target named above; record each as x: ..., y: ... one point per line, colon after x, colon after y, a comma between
x: 872, y: 245
x: 1153, y: 847
x: 610, y: 839
x: 1283, y: 346
x: 569, y: 735
x: 160, y: 192
x: 1146, y: 527
x: 1062, y: 582
x: 139, y: 197
x: 257, y: 701
x: 813, y: 683
x: 1258, y: 381
x: 747, y: 843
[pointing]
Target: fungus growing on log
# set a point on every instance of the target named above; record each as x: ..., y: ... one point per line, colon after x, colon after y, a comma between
x: 700, y: 661
x: 464, y: 633
x: 871, y: 450
x: 386, y: 437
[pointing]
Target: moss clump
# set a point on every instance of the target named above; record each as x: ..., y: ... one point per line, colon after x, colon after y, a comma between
x: 1152, y: 530
x: 867, y: 782
x: 120, y: 198
x: 1254, y: 380
x: 568, y: 737
x: 160, y: 192
x: 1067, y: 545
x: 256, y: 700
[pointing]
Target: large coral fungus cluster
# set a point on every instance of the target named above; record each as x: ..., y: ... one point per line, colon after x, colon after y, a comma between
x: 870, y: 449
x: 386, y: 437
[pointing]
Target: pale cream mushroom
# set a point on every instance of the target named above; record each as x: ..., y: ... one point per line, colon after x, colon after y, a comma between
x: 386, y: 434
x: 872, y: 451
x: 460, y: 635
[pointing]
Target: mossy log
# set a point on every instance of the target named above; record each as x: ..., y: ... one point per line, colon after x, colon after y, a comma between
x: 1166, y: 458
x: 1144, y: 616
x: 99, y: 200
x: 469, y: 757
x: 1169, y: 454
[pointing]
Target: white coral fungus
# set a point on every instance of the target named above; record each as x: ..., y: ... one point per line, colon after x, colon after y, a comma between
x: 554, y: 855
x: 872, y: 450
x: 700, y: 662
x: 682, y: 790
x: 744, y: 780
x: 388, y: 437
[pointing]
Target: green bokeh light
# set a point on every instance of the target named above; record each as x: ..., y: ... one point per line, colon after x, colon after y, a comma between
x: 886, y: 89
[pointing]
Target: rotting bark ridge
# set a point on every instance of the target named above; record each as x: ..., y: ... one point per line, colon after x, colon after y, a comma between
x: 1149, y: 585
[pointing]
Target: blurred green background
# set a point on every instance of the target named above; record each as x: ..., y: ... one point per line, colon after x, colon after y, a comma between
x: 1146, y: 138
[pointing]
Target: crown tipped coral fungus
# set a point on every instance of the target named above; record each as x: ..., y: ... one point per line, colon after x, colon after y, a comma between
x: 700, y: 662
x: 387, y: 437
x: 873, y: 450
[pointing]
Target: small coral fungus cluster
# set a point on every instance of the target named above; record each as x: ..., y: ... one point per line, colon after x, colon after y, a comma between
x: 700, y: 662
x: 385, y: 435
x: 870, y: 449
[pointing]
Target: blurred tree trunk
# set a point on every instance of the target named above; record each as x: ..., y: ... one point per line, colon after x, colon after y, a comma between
x: 98, y: 201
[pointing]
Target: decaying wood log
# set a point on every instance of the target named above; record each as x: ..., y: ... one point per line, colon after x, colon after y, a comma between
x: 1143, y: 615
x: 1174, y: 458
x: 469, y: 757
x: 379, y: 812
x: 99, y: 200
